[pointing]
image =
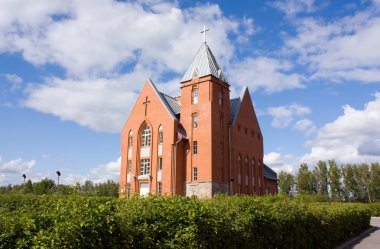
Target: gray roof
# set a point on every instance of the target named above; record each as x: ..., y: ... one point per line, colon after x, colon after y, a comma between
x: 175, y: 108
x: 204, y: 64
x: 269, y: 173
x: 235, y: 106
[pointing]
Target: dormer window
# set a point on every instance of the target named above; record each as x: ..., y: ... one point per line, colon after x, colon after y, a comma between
x: 194, y: 97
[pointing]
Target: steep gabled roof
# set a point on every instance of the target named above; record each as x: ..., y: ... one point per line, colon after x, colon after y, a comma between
x: 235, y: 105
x: 163, y: 100
x: 172, y: 103
x: 269, y: 173
x: 204, y: 64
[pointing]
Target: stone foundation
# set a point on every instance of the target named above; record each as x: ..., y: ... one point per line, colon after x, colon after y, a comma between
x: 205, y: 189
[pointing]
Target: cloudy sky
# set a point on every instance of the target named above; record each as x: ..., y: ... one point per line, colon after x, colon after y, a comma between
x: 70, y: 72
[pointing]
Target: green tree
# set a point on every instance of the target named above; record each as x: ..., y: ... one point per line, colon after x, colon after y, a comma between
x: 44, y: 186
x: 305, y: 180
x: 109, y: 188
x: 351, y: 189
x: 375, y: 181
x: 88, y: 188
x: 28, y: 187
x: 286, y: 182
x: 335, y: 181
x: 321, y: 176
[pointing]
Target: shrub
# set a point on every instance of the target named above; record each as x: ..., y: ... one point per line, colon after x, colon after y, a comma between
x: 179, y: 222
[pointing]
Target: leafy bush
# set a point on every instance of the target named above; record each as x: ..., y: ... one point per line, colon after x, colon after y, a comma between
x: 375, y: 209
x: 180, y: 222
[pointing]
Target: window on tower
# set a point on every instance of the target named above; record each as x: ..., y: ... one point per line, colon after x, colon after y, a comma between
x: 195, y: 147
x: 145, y: 136
x: 195, y: 174
x: 130, y: 140
x: 194, y: 97
x: 195, y: 120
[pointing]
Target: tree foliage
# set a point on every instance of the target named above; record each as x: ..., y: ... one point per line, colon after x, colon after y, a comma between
x: 350, y: 182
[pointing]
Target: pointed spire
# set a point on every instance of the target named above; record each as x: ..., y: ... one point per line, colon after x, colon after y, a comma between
x: 204, y: 64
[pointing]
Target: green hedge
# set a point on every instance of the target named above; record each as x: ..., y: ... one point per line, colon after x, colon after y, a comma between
x: 180, y: 222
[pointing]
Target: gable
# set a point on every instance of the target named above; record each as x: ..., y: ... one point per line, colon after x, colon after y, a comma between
x: 242, y: 109
x: 156, y: 103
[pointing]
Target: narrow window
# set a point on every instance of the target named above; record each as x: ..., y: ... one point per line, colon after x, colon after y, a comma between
x: 130, y: 141
x: 160, y: 163
x: 221, y: 123
x: 253, y: 172
x: 221, y: 97
x: 144, y: 166
x: 221, y: 151
x: 195, y: 96
x: 195, y: 174
x: 145, y: 137
x: 129, y: 166
x: 195, y: 147
x: 159, y: 188
x: 195, y: 120
x: 161, y: 137
x: 128, y: 189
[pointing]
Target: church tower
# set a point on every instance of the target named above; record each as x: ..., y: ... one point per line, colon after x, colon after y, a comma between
x: 205, y: 113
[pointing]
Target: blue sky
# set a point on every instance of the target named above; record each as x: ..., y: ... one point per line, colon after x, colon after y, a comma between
x: 70, y: 72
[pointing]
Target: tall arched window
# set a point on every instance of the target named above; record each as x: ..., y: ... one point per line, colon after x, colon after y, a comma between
x: 253, y: 173
x: 160, y: 135
x: 130, y: 139
x: 194, y: 96
x: 239, y: 175
x: 145, y: 136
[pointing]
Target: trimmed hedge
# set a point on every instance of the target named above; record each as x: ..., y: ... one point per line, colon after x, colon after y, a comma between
x: 180, y: 222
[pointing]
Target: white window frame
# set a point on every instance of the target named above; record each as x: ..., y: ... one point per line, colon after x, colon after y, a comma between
x: 195, y: 121
x: 146, y: 136
x: 195, y: 147
x: 144, y: 166
x: 129, y: 166
x: 195, y: 174
x: 194, y: 97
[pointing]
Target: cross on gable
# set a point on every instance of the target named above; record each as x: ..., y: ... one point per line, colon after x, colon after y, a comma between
x: 146, y: 104
x: 204, y: 32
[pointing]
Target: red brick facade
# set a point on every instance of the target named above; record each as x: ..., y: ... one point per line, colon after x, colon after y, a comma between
x: 201, y: 143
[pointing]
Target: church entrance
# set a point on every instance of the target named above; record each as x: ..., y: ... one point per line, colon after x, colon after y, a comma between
x: 144, y: 188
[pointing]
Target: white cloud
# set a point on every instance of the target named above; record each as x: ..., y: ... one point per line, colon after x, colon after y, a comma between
x: 342, y: 49
x: 280, y: 162
x: 305, y: 125
x: 284, y: 115
x: 107, y: 171
x: 11, y: 171
x: 271, y: 75
x: 347, y: 138
x: 97, y: 37
x: 293, y: 7
x: 108, y: 49
x: 15, y: 80
x: 101, y: 104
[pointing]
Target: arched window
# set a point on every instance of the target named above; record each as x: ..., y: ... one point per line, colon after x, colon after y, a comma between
x: 145, y: 136
x: 239, y: 164
x: 194, y: 96
x: 253, y: 172
x: 221, y: 97
x: 130, y: 139
x: 160, y: 135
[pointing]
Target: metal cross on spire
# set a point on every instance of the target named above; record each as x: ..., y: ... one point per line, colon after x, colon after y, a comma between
x: 204, y: 33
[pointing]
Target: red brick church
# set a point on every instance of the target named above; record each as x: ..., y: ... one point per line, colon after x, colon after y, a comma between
x: 198, y: 144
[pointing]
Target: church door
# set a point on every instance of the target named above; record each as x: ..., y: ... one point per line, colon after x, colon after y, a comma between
x: 144, y: 188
